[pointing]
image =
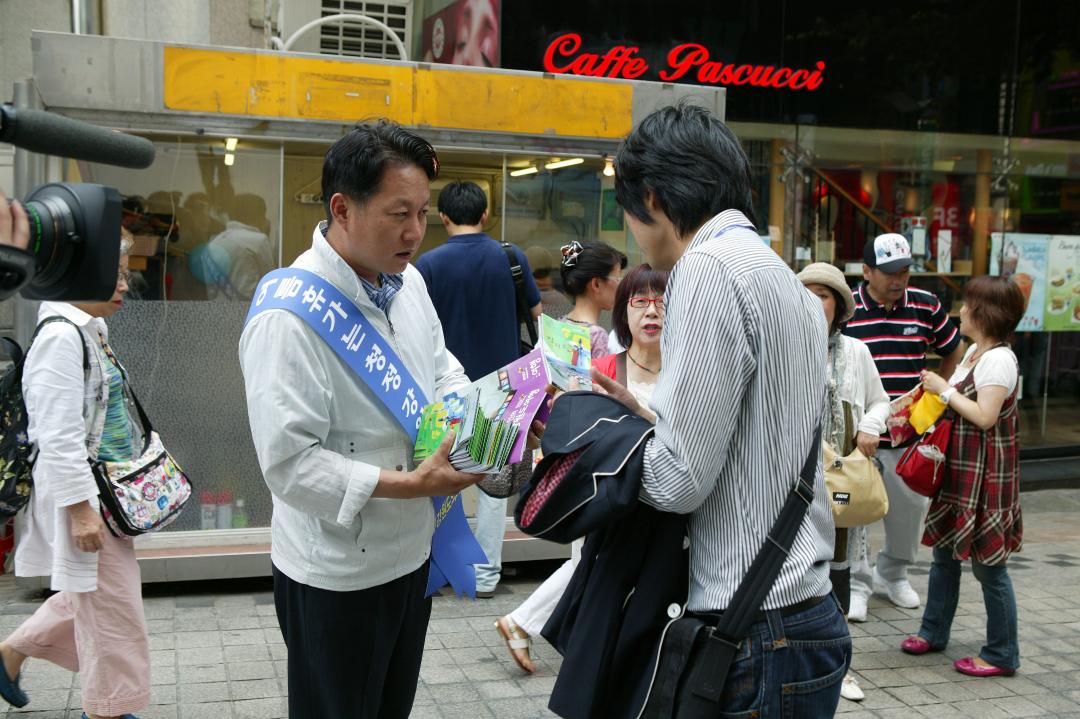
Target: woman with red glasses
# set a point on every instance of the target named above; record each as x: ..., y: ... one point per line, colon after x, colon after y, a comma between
x: 638, y: 317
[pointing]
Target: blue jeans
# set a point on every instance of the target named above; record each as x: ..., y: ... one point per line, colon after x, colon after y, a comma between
x: 490, y: 528
x: 790, y: 666
x: 1002, y: 637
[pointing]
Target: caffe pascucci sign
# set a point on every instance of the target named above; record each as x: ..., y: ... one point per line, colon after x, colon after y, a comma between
x: 689, y: 61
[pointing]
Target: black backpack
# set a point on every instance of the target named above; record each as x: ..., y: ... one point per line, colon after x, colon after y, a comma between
x: 17, y: 453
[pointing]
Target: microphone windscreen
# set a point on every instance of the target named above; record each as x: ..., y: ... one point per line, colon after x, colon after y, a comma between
x: 51, y: 134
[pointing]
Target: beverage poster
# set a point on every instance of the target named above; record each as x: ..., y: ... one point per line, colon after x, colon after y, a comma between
x: 1024, y: 258
x: 1063, y: 284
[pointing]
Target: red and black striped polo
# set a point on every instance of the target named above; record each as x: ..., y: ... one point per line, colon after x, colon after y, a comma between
x: 900, y: 338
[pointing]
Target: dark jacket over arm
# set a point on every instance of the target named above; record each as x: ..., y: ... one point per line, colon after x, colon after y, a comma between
x: 633, y: 576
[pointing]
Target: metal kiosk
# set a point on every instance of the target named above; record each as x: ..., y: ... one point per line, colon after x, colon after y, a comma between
x: 240, y: 136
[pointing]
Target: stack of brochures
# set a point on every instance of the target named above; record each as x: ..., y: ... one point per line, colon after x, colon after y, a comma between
x: 491, y: 418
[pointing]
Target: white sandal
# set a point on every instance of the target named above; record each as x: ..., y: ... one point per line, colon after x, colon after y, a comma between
x: 516, y: 641
x: 850, y: 689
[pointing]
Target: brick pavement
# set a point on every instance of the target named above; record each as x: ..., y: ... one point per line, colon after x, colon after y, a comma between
x: 216, y: 652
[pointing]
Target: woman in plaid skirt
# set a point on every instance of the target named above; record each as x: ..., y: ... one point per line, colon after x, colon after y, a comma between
x: 976, y: 514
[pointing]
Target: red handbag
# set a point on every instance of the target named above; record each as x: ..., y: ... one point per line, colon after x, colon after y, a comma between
x: 922, y: 466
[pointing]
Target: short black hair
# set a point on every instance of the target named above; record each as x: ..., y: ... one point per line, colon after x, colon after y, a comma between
x: 691, y: 162
x: 355, y: 164
x: 596, y: 259
x: 642, y: 278
x: 464, y: 203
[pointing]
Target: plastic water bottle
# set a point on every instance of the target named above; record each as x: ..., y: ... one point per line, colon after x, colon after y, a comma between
x: 208, y: 507
x: 224, y: 510
x: 239, y: 518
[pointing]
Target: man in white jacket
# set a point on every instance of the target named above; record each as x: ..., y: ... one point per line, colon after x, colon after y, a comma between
x: 352, y: 524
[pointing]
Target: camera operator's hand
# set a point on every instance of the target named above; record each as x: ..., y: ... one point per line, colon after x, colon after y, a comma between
x: 14, y: 224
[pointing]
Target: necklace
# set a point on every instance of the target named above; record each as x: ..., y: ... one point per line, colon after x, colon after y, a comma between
x: 641, y: 366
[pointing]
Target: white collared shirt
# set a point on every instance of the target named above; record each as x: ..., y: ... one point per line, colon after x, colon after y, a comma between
x: 322, y: 438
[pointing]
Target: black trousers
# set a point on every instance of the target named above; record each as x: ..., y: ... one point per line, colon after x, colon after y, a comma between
x: 353, y: 655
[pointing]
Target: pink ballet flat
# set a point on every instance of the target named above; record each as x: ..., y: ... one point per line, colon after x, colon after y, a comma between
x: 917, y: 646
x: 968, y: 666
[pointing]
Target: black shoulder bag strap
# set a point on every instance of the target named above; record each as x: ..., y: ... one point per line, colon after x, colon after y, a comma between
x: 708, y: 674
x: 58, y: 318
x: 523, y: 314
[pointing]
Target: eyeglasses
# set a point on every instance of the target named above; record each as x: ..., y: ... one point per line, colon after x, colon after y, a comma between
x: 640, y: 303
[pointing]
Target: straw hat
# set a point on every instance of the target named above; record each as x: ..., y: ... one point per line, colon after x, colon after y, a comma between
x: 822, y: 273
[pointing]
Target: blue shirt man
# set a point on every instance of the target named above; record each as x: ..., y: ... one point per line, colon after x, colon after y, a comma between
x: 470, y: 284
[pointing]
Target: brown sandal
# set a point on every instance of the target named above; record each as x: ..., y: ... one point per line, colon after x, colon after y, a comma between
x: 517, y: 641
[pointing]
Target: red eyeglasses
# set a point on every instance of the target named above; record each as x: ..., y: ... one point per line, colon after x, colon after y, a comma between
x: 640, y: 303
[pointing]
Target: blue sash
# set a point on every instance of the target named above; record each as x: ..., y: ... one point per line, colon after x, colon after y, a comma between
x: 343, y: 326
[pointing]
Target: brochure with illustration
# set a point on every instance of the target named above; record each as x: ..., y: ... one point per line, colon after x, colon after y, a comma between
x: 567, y: 352
x: 491, y: 418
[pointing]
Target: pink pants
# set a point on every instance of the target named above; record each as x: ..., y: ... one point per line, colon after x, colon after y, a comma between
x: 101, y: 635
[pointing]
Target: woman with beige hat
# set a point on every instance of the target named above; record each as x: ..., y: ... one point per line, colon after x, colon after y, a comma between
x: 856, y: 412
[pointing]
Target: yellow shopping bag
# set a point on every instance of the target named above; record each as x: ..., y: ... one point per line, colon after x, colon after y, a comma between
x: 926, y: 411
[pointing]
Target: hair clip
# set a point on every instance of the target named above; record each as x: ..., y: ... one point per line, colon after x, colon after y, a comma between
x: 570, y: 253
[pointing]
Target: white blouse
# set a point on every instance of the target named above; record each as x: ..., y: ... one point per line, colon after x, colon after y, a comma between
x: 995, y: 368
x: 63, y: 407
x: 862, y: 387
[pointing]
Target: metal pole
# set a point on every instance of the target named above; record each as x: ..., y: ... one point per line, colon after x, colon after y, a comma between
x: 29, y: 173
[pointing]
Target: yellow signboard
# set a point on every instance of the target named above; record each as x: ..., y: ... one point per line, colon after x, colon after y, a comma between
x: 282, y: 86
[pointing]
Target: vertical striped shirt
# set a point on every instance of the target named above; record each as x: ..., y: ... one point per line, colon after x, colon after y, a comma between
x: 737, y: 405
x: 900, y: 338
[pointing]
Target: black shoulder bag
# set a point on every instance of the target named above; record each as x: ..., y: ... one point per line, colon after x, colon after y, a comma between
x: 695, y: 657
x: 523, y: 314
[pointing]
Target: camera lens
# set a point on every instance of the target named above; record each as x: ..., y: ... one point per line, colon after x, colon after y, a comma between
x: 75, y: 240
x: 52, y: 226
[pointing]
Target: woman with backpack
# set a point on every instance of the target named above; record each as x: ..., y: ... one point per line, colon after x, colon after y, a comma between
x: 79, y: 406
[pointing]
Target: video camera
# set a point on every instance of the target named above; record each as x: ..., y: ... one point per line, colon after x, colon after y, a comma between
x: 74, y: 245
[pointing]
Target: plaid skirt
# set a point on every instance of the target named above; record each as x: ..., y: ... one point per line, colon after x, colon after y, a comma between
x: 977, y: 512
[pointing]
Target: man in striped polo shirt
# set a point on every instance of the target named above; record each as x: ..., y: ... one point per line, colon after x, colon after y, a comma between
x: 899, y: 324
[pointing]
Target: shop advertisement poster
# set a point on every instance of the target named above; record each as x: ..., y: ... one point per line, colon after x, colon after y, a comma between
x: 1063, y: 284
x: 1024, y: 258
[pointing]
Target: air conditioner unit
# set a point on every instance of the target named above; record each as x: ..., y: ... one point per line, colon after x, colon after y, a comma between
x: 351, y: 39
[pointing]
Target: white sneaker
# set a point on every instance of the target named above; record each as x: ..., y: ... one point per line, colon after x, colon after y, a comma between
x: 850, y: 689
x: 856, y: 608
x: 899, y: 592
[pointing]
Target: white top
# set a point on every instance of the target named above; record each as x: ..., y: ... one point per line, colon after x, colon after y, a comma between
x: 642, y: 391
x: 322, y: 438
x: 249, y: 256
x: 996, y: 368
x: 63, y: 407
x: 862, y: 388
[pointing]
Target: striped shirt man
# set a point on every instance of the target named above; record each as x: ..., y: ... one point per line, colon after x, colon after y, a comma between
x: 737, y: 405
x: 899, y: 338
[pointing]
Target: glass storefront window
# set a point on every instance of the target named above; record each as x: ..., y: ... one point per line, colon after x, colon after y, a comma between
x: 549, y: 208
x: 822, y: 192
x: 206, y: 220
x: 205, y: 233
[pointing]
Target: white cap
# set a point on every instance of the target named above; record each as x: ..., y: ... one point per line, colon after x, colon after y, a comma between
x: 889, y: 253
